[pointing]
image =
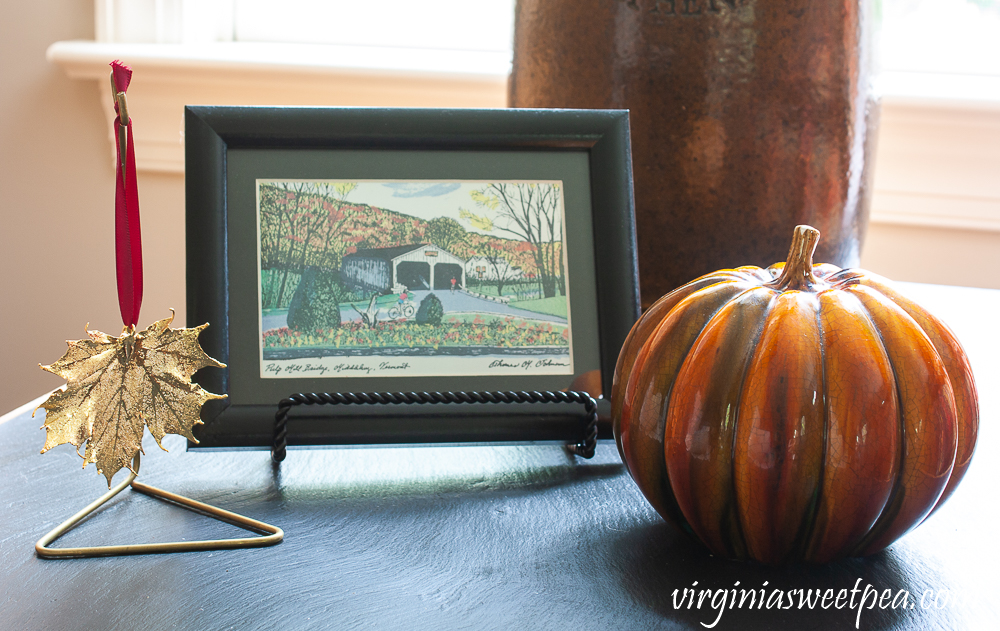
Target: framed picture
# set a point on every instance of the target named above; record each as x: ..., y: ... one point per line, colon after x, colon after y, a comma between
x: 373, y: 250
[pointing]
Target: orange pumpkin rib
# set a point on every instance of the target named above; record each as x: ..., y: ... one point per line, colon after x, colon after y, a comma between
x: 637, y: 338
x: 650, y: 320
x: 648, y: 392
x: 963, y: 384
x: 701, y: 421
x: 636, y: 349
x: 861, y: 428
x: 928, y: 419
x: 778, y: 453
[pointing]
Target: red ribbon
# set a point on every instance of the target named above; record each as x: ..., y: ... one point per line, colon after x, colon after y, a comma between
x: 128, y: 236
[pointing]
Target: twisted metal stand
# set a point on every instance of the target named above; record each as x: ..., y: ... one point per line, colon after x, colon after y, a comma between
x: 585, y: 448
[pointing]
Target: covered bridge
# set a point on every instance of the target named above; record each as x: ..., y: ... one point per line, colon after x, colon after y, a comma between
x: 418, y: 266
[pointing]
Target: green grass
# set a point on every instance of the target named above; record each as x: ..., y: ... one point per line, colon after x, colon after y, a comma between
x: 552, y: 306
x: 512, y: 290
x: 486, y: 318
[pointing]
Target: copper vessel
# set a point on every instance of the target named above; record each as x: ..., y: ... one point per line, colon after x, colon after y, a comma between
x: 748, y: 117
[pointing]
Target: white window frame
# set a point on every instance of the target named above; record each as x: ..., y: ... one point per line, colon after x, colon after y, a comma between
x: 937, y: 161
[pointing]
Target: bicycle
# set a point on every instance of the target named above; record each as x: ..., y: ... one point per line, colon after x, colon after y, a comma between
x: 406, y: 311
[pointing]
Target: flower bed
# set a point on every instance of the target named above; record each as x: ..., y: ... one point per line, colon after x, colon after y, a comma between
x: 508, y: 332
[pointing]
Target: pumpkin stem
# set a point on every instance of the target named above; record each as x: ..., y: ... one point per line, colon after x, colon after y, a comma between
x: 798, y: 272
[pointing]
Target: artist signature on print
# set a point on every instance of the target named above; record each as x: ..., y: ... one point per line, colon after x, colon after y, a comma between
x: 526, y: 364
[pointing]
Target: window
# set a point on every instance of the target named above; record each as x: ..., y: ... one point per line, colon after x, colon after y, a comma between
x: 940, y: 36
x: 469, y: 25
x: 474, y: 25
x: 939, y: 49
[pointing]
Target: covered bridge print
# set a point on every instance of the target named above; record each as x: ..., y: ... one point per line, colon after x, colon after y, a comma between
x: 417, y: 266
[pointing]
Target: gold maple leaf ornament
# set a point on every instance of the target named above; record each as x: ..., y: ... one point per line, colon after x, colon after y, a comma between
x: 118, y: 386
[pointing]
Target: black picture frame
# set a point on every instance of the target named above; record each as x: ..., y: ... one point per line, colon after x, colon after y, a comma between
x: 227, y: 147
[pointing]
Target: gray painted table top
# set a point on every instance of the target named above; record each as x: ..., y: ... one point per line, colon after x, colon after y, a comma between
x: 458, y: 538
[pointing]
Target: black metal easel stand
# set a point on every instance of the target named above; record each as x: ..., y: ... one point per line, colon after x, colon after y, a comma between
x: 584, y: 448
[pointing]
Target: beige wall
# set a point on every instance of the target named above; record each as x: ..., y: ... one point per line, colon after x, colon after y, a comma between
x: 56, y: 239
x: 57, y: 183
x: 942, y: 256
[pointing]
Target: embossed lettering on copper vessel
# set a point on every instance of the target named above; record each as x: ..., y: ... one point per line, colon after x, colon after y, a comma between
x: 748, y: 117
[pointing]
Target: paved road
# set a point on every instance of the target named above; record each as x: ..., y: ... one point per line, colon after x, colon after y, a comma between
x: 457, y: 302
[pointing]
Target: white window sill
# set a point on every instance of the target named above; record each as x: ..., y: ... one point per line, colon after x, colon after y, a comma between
x: 81, y: 58
x: 937, y: 162
x: 938, y: 157
x: 169, y: 76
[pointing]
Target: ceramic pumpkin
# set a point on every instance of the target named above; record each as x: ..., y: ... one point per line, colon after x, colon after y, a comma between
x: 796, y: 413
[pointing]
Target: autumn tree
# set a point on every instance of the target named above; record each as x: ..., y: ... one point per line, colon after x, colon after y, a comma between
x: 445, y: 232
x: 300, y: 222
x: 530, y: 212
x: 336, y: 194
x: 503, y: 271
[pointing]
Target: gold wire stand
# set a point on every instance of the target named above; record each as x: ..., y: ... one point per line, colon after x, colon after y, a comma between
x: 272, y: 534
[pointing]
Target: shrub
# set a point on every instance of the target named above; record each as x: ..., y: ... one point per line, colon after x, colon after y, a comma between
x: 315, y: 304
x: 431, y: 311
